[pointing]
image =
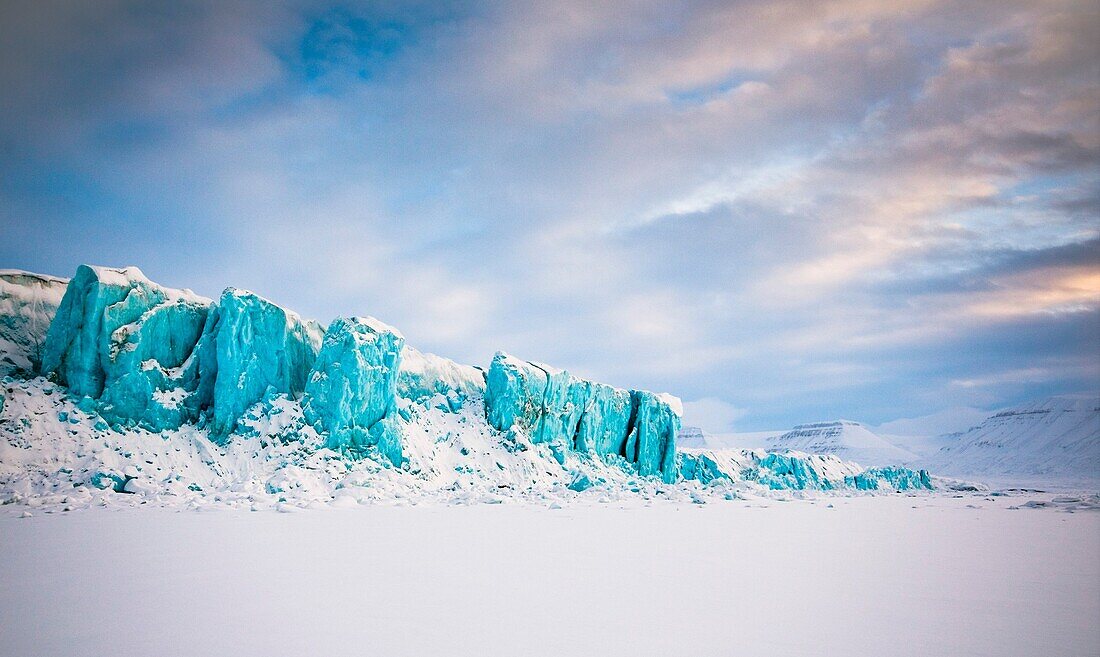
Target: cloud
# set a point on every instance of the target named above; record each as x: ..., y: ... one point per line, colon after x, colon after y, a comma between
x: 805, y: 212
x: 712, y: 415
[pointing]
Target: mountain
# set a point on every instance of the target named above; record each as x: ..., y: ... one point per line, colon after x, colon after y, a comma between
x: 692, y: 437
x: 1051, y: 440
x: 846, y: 439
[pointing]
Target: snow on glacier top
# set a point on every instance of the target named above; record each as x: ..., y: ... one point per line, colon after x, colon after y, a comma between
x: 46, y: 278
x: 376, y: 325
x: 124, y: 276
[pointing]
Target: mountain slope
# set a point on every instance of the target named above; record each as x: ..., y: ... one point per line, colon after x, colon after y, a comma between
x: 1055, y: 439
x: 846, y: 439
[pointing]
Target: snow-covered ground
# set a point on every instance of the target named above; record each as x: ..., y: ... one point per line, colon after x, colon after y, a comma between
x: 886, y: 575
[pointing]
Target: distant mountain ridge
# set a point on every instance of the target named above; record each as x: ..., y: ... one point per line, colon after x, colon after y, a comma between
x: 1047, y: 441
x: 1053, y: 439
x: 845, y: 438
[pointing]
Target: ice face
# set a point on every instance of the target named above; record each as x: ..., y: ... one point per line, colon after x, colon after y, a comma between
x: 353, y: 386
x: 514, y: 393
x: 260, y: 349
x: 27, y: 306
x: 553, y: 406
x: 605, y: 422
x: 430, y: 379
x: 890, y: 477
x: 793, y: 470
x: 700, y: 467
x: 144, y: 354
x: 122, y: 339
x: 652, y: 441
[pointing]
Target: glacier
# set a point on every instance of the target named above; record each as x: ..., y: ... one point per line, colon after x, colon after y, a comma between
x: 260, y: 349
x: 28, y: 302
x: 553, y: 406
x: 353, y: 386
x: 126, y: 341
x: 256, y: 403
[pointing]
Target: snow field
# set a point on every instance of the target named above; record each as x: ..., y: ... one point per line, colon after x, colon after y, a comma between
x: 897, y: 575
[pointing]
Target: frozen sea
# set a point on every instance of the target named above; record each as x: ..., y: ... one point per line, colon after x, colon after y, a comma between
x: 883, y: 575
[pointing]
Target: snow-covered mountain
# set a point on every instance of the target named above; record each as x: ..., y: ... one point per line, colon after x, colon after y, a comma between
x: 844, y: 438
x: 1052, y: 440
x: 693, y: 437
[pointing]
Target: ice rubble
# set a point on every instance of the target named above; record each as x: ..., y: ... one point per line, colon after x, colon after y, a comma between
x: 175, y: 397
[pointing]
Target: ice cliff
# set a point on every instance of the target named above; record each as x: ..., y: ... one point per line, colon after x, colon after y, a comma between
x: 126, y: 341
x: 259, y: 349
x: 553, y: 406
x: 159, y: 358
x: 794, y: 470
x: 248, y: 397
x: 27, y: 304
x: 351, y: 392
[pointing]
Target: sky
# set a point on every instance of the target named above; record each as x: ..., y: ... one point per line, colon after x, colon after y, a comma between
x: 781, y: 211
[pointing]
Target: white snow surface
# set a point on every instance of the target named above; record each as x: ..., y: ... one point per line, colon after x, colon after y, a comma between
x: 124, y: 276
x: 377, y: 325
x: 897, y: 575
x: 430, y: 367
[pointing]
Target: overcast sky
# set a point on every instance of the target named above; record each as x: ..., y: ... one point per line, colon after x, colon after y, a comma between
x: 779, y: 211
